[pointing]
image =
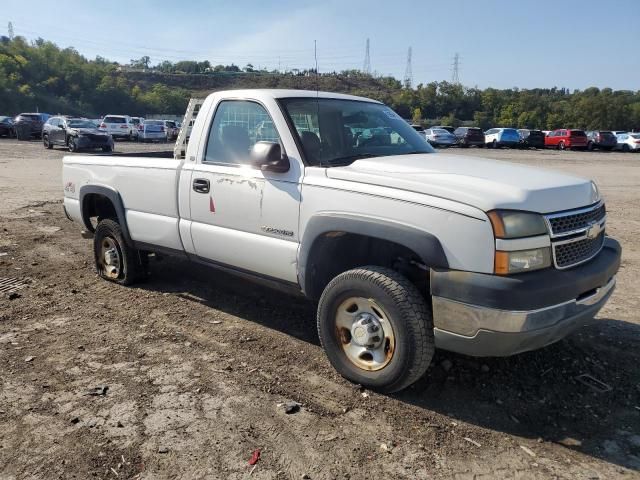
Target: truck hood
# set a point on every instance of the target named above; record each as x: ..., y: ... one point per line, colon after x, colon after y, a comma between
x: 485, y: 184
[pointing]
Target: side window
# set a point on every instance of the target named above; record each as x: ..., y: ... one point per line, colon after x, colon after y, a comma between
x: 54, y: 122
x: 237, y: 126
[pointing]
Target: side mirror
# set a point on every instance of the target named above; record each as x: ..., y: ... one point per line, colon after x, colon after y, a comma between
x: 267, y: 156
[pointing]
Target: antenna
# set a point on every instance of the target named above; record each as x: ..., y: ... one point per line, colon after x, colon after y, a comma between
x: 455, y: 78
x: 367, y: 60
x: 315, y: 55
x: 408, y: 74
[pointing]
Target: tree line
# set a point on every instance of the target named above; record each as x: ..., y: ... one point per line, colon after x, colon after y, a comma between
x: 40, y: 75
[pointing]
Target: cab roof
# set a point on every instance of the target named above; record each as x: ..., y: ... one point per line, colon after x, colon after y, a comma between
x: 261, y: 93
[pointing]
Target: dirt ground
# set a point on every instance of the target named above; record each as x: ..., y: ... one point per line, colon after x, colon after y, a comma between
x: 184, y: 376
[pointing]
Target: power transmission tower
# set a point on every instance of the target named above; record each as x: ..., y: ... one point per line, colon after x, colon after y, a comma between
x: 367, y: 60
x: 408, y: 73
x: 455, y: 78
x: 10, y: 28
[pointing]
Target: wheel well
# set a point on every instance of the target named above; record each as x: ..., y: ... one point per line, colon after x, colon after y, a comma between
x: 97, y: 206
x: 336, y: 252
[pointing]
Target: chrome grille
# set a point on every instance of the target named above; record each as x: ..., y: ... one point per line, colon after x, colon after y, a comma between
x: 577, y: 235
x: 569, y: 222
x: 572, y: 253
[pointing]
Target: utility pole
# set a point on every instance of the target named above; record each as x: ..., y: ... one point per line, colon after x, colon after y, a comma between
x: 367, y: 60
x: 10, y: 28
x: 455, y: 78
x: 408, y: 73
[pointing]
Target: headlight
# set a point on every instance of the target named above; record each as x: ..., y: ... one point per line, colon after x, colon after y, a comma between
x: 514, y: 224
x: 522, y: 260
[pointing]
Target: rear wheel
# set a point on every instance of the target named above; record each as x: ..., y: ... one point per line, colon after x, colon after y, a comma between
x: 376, y: 328
x: 561, y: 146
x: 625, y: 147
x: 494, y: 144
x: 115, y: 260
x: 590, y: 146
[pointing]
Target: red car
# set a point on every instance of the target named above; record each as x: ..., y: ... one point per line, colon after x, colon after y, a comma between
x: 566, y: 139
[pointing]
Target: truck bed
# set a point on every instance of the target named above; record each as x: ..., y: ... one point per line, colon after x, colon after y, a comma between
x: 152, y: 218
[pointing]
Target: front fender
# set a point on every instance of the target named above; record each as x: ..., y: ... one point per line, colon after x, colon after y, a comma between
x: 424, y: 244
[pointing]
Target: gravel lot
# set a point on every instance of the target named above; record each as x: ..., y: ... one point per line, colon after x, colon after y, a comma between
x: 184, y: 376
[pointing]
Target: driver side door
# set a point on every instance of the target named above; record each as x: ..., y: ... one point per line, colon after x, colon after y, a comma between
x: 242, y: 216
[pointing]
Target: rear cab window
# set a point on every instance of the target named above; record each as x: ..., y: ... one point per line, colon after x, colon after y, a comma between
x: 114, y: 120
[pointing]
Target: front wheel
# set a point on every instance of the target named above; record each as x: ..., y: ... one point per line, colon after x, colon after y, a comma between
x: 376, y: 328
x: 45, y: 141
x: 115, y: 260
x: 72, y: 145
x: 561, y: 146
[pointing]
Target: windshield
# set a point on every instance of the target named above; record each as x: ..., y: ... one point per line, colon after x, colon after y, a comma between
x: 439, y: 131
x: 23, y: 116
x: 338, y: 132
x: 80, y: 123
x: 154, y: 122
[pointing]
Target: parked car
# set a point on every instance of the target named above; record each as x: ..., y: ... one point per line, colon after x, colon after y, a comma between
x: 439, y: 137
x: 119, y: 126
x: 153, y: 130
x: 75, y: 134
x: 501, y: 137
x: 6, y: 127
x: 475, y: 256
x: 468, y: 136
x: 171, y: 129
x: 32, y: 123
x: 137, y: 124
x: 618, y: 132
x: 531, y: 138
x: 417, y: 128
x: 601, y: 139
x: 444, y: 127
x: 628, y: 142
x: 564, y: 139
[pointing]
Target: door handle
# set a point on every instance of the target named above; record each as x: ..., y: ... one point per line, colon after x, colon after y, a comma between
x: 201, y: 185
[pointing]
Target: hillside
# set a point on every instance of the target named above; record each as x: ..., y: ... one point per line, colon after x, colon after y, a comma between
x: 40, y: 75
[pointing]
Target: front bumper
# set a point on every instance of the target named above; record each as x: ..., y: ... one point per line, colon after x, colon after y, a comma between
x: 489, y: 315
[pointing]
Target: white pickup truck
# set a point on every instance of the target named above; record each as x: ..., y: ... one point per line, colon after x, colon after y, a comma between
x: 338, y: 198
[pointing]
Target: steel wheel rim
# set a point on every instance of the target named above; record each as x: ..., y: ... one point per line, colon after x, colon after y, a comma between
x: 110, y: 258
x: 365, y: 333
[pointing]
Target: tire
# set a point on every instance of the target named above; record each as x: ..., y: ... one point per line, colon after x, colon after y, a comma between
x: 45, y: 141
x: 107, y: 149
x: 590, y: 146
x: 391, y: 303
x: 625, y: 148
x: 71, y: 144
x: 115, y: 260
x: 561, y: 146
x: 494, y: 144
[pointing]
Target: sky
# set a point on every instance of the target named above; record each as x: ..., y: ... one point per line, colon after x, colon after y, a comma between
x: 501, y: 44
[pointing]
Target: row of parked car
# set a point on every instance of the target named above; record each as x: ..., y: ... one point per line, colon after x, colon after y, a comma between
x: 82, y: 133
x: 562, y: 138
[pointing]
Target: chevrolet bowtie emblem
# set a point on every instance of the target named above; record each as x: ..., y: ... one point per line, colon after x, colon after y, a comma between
x: 594, y: 230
